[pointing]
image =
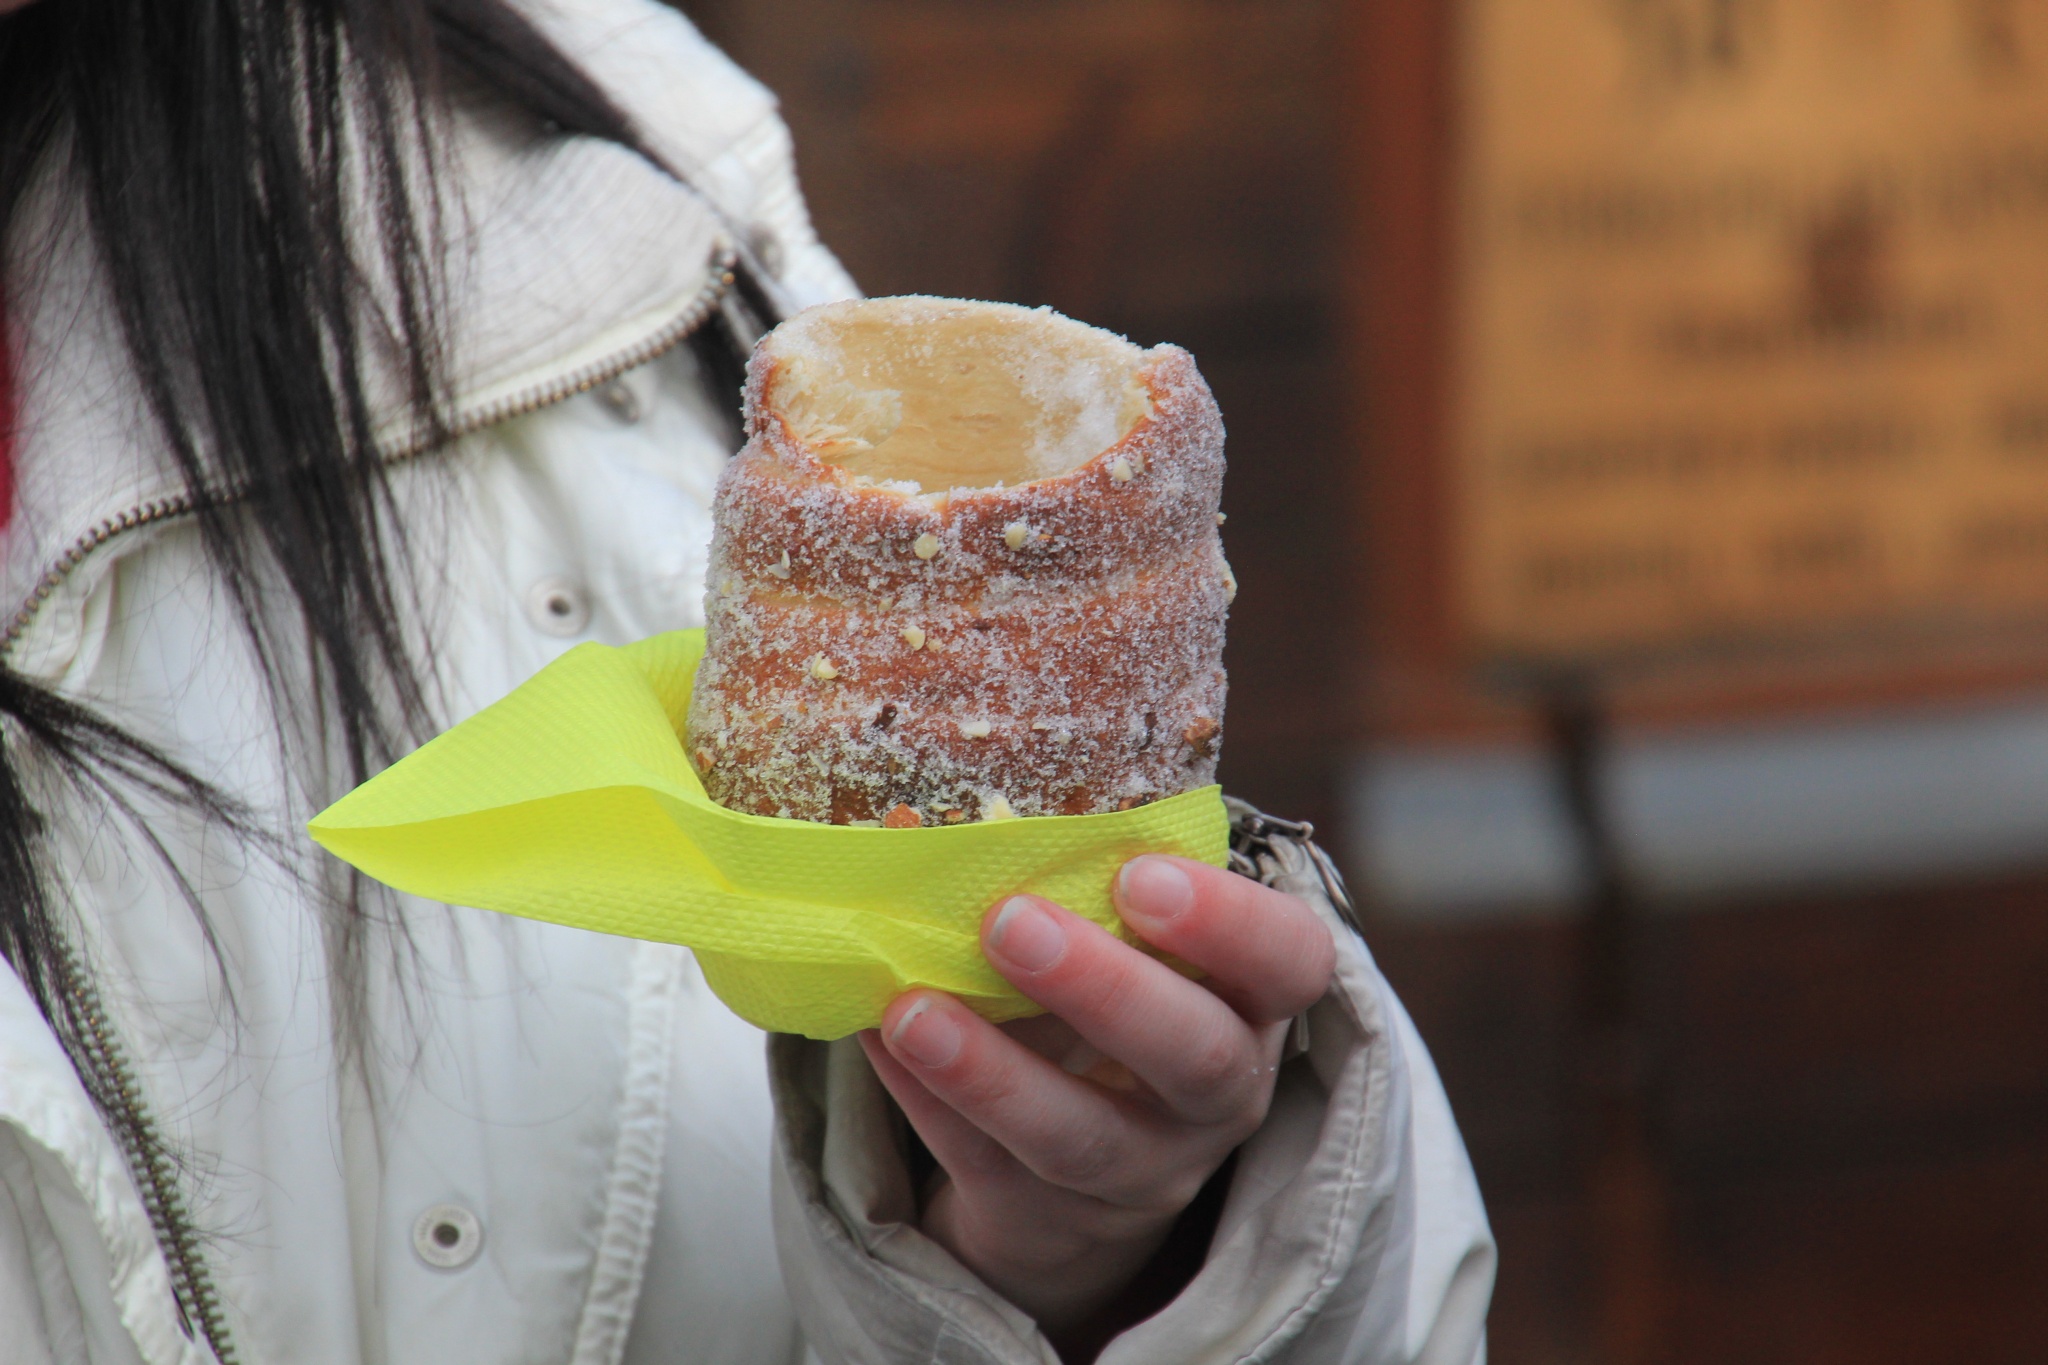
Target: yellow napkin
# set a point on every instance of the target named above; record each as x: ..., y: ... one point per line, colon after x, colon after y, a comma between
x: 573, y: 801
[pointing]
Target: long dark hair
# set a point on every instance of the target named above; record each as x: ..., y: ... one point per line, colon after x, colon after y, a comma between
x: 214, y: 149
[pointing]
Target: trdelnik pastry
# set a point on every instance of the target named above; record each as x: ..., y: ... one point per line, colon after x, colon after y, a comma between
x: 967, y: 567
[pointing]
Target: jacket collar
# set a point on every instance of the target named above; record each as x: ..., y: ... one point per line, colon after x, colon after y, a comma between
x: 567, y: 257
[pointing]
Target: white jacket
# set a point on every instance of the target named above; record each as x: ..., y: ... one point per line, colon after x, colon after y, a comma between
x: 590, y: 1131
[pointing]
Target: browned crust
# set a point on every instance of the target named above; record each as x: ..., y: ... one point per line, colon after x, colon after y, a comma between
x: 1078, y: 671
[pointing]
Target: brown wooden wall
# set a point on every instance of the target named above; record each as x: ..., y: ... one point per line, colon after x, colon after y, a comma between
x: 1849, y: 1114
x: 1852, y: 1122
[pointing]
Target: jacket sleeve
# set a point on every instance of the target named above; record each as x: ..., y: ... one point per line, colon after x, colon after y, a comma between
x: 82, y: 1278
x: 1353, y: 1230
x: 28, y: 1264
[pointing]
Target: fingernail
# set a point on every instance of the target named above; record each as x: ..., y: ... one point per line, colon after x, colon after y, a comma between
x: 1026, y: 936
x: 1155, y: 888
x: 930, y: 1039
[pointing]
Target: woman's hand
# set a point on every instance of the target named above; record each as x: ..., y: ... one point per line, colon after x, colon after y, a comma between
x: 1069, y: 1143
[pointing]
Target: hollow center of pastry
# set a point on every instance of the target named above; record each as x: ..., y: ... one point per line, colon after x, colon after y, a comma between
x: 950, y: 395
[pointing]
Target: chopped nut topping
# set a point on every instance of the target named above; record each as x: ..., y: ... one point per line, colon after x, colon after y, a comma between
x: 1222, y: 517
x: 902, y: 816
x: 975, y: 729
x: 1016, y: 534
x: 954, y: 815
x: 997, y: 808
x: 705, y: 761
x: 912, y: 636
x: 925, y: 546
x: 1120, y: 470
x: 1063, y: 736
x: 822, y: 669
x: 781, y: 570
x: 1041, y: 725
x: 1229, y: 586
x: 1201, y: 736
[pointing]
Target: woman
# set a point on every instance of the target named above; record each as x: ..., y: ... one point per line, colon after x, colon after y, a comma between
x: 365, y: 355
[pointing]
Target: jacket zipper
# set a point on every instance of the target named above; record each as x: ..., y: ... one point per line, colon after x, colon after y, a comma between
x: 148, y: 1156
x: 466, y: 423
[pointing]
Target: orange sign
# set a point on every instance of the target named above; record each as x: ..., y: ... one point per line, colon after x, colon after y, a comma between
x: 1751, y: 312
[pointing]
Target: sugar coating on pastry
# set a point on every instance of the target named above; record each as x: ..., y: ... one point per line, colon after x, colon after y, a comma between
x: 967, y: 567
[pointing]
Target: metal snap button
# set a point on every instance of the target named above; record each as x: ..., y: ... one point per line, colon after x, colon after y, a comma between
x: 557, y: 607
x: 620, y: 401
x: 767, y: 248
x: 447, y: 1236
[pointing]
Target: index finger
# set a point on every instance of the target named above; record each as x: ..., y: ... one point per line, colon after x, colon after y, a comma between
x: 1267, y: 953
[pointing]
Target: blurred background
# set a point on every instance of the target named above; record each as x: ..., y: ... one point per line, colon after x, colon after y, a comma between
x: 1638, y: 424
